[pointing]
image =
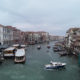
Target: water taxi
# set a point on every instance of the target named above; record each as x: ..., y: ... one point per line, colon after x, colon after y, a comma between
x: 20, y: 56
x: 9, y: 52
x: 55, y: 65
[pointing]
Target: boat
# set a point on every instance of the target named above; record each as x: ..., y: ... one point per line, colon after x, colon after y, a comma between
x: 20, y: 56
x: 9, y: 52
x: 38, y: 47
x: 1, y: 57
x: 63, y: 53
x: 23, y: 46
x: 16, y: 45
x: 55, y: 65
x: 48, y: 46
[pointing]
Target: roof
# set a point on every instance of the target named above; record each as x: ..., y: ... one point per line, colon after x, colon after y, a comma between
x: 20, y: 52
x: 15, y: 45
x: 10, y: 48
x: 72, y: 29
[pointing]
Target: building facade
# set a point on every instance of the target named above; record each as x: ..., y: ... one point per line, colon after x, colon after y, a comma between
x: 6, y: 36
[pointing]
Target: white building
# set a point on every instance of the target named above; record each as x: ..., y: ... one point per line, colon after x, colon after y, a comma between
x: 6, y: 36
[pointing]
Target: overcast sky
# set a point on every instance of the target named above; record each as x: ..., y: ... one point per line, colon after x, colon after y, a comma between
x: 53, y: 16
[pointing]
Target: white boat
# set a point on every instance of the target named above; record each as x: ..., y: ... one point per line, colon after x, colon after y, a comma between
x: 55, y: 65
x: 9, y: 52
x: 20, y: 56
x: 23, y: 46
x: 16, y: 45
x: 38, y: 47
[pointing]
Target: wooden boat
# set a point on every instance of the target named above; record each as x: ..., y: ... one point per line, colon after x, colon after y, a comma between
x: 20, y: 56
x: 9, y: 52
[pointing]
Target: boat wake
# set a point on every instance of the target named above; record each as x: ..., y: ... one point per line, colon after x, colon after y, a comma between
x: 50, y: 55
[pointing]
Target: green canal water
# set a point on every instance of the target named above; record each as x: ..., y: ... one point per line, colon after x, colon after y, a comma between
x: 34, y: 69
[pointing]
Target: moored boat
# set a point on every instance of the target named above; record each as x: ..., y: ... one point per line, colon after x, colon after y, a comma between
x: 9, y: 52
x: 16, y: 45
x: 23, y: 46
x: 55, y: 65
x: 1, y: 57
x: 20, y: 56
x: 63, y: 53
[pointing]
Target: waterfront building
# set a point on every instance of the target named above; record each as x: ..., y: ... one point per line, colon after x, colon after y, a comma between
x: 56, y: 38
x: 16, y: 34
x: 6, y: 36
x: 72, y: 39
x: 30, y: 37
x: 37, y: 37
x: 44, y: 36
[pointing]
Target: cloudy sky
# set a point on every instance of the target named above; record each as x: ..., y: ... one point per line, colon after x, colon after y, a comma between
x: 53, y: 16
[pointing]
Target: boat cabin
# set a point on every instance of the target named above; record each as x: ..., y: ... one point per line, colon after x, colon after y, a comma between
x: 23, y: 46
x: 20, y: 56
x: 16, y: 45
x: 9, y: 52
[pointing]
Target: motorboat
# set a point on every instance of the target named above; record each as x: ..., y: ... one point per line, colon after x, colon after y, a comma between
x: 20, y: 56
x: 64, y: 53
x: 23, y: 46
x: 55, y: 65
x: 38, y: 47
x: 48, y: 46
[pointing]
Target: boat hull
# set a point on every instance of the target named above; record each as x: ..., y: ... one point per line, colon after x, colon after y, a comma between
x: 56, y: 67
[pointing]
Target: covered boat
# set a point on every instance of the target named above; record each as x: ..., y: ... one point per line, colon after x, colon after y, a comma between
x: 16, y: 45
x: 9, y: 52
x: 20, y: 56
x: 55, y: 65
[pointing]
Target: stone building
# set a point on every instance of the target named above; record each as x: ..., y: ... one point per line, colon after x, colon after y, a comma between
x: 72, y: 39
x: 6, y: 36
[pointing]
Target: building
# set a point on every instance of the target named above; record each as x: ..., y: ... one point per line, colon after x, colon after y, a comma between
x: 6, y: 36
x: 36, y: 37
x: 72, y: 39
x: 16, y: 34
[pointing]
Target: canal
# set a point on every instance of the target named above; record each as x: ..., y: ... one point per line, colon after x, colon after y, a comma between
x: 34, y: 69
